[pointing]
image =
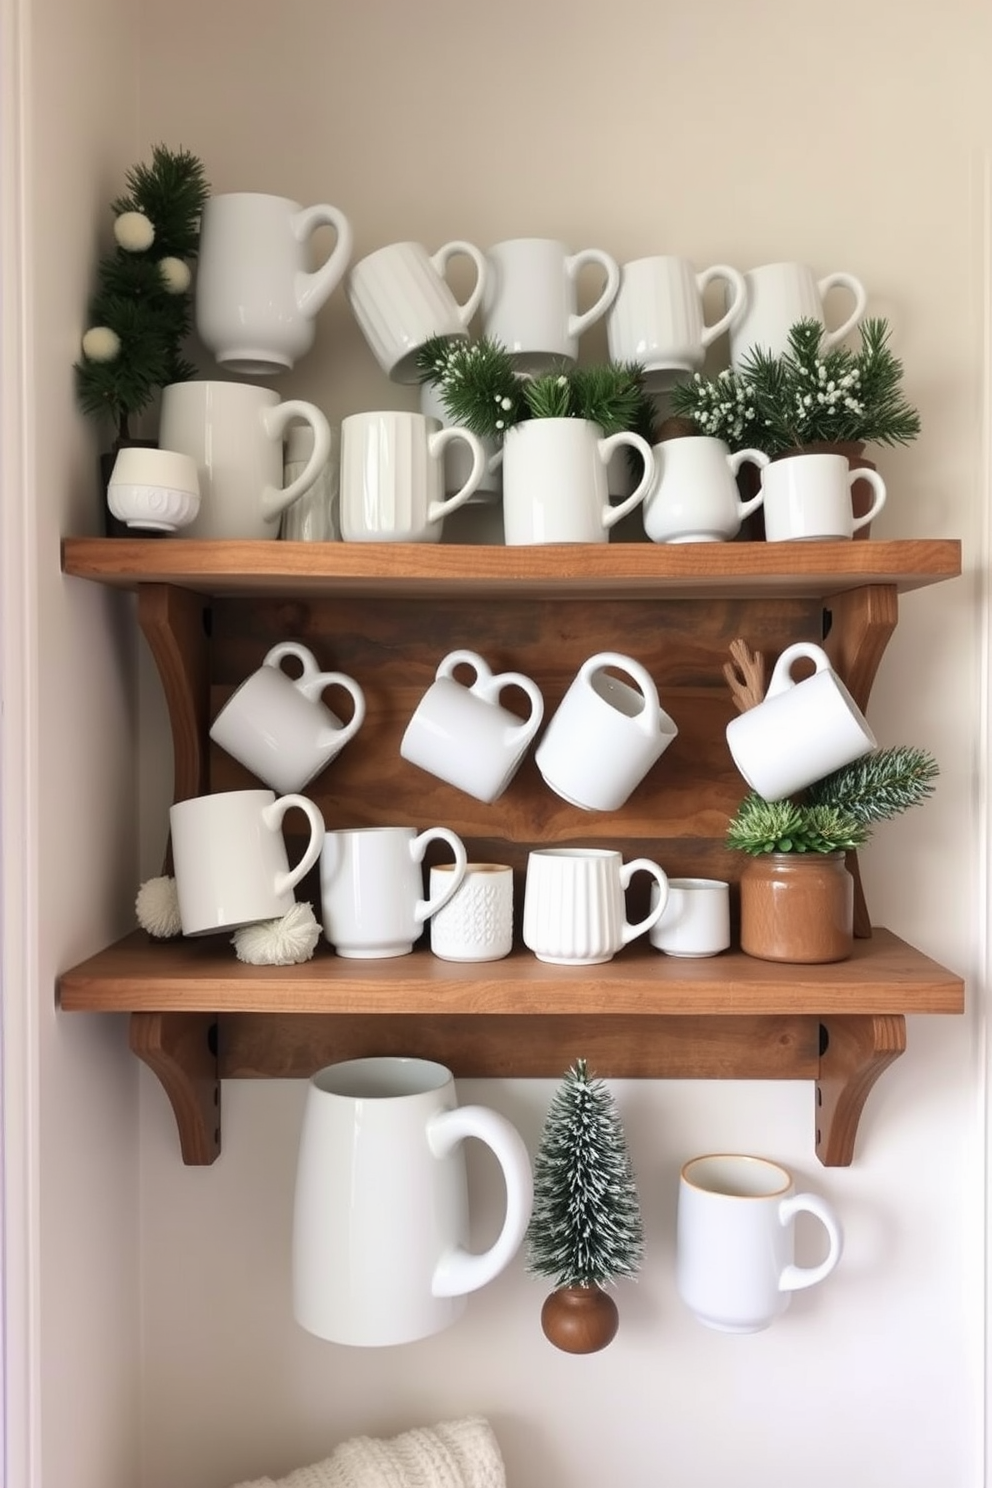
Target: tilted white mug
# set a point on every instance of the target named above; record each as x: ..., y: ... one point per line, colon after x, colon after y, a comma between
x: 400, y: 298
x: 230, y: 859
x: 694, y: 497
x: 574, y: 909
x: 555, y: 487
x: 392, y: 476
x: 810, y: 498
x: 605, y: 734
x: 372, y: 886
x: 235, y: 433
x: 531, y: 300
x: 735, y: 1241
x: 781, y: 294
x: 658, y: 317
x: 463, y: 735
x: 279, y: 727
x: 801, y: 731
x: 380, y: 1214
x: 256, y: 295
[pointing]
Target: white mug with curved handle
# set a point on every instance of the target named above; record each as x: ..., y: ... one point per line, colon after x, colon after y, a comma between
x: 810, y: 498
x: 531, y: 301
x: 779, y: 295
x: 695, y: 497
x: 392, y: 476
x: 372, y: 887
x: 574, y: 904
x: 555, y: 484
x: 658, y: 317
x: 381, y: 1220
x: 400, y: 297
x: 605, y: 734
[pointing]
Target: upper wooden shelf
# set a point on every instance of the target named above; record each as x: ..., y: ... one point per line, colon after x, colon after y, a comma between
x: 594, y: 571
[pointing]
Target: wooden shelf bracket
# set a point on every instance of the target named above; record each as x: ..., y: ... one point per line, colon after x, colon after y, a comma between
x: 181, y: 1050
x: 855, y: 1051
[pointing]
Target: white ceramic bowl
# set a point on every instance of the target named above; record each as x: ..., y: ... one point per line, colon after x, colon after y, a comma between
x: 152, y: 489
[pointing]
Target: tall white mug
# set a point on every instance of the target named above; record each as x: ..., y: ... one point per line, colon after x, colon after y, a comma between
x: 256, y: 296
x: 574, y: 909
x: 392, y: 476
x: 531, y: 300
x: 779, y: 295
x: 380, y: 1216
x: 555, y: 487
x: 372, y: 888
x: 658, y: 317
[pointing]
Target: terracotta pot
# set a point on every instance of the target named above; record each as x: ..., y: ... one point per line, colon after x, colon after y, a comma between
x: 797, y: 907
x: 580, y: 1319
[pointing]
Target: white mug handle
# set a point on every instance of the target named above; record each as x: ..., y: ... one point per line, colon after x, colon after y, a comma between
x: 426, y: 907
x: 878, y: 486
x: 781, y: 678
x: 736, y: 297
x: 579, y: 323
x: 273, y: 814
x: 436, y: 444
x: 312, y: 681
x: 312, y: 289
x: 610, y: 515
x: 637, y: 865
x: 275, y: 422
x: 795, y: 1278
x: 468, y: 250
x: 749, y: 457
x: 649, y: 718
x: 459, y: 1271
x: 843, y: 281
x: 528, y: 726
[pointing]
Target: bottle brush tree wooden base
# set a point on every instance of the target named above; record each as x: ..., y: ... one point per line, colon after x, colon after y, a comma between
x: 580, y: 1319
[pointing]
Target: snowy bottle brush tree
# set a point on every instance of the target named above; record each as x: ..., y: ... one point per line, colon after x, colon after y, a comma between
x: 585, y: 1229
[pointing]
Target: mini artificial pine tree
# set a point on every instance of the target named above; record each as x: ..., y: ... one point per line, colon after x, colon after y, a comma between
x: 585, y: 1229
x: 140, y: 313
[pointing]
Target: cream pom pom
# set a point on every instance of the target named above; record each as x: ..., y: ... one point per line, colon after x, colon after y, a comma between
x: 134, y: 232
x: 176, y: 275
x: 283, y: 942
x: 101, y: 344
x: 157, y: 907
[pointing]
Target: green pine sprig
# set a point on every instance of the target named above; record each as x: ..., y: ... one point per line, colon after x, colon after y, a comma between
x: 172, y: 192
x: 879, y: 785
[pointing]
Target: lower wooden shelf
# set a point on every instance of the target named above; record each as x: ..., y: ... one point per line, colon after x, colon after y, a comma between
x: 199, y: 1016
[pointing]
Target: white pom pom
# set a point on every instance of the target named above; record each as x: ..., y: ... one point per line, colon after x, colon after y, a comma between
x: 101, y: 344
x: 176, y: 275
x: 134, y: 232
x: 157, y: 907
x: 282, y: 942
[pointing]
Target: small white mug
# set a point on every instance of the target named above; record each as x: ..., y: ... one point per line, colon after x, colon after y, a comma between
x: 371, y: 884
x: 463, y: 735
x: 779, y: 295
x: 800, y: 731
x: 392, y: 476
x: 531, y: 301
x: 256, y: 296
x: 476, y: 923
x: 658, y: 317
x: 153, y: 490
x: 279, y: 727
x: 230, y: 860
x: 574, y: 908
x: 809, y: 498
x: 400, y: 298
x: 696, y: 918
x: 555, y: 487
x: 605, y: 735
x: 694, y: 497
x: 735, y: 1241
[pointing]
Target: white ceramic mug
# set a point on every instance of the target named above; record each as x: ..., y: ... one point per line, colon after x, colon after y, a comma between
x: 574, y: 908
x: 735, y: 1241
x: 312, y: 517
x: 658, y: 317
x: 230, y: 860
x: 256, y: 295
x: 555, y: 487
x: 234, y: 432
x: 371, y: 885
x: 531, y: 301
x: 800, y: 731
x: 153, y: 490
x: 779, y: 295
x: 694, y: 497
x: 392, y: 475
x: 279, y: 727
x: 400, y: 298
x: 695, y: 920
x: 458, y: 456
x: 476, y: 923
x: 605, y: 734
x: 380, y: 1215
x: 810, y: 498
x: 463, y: 735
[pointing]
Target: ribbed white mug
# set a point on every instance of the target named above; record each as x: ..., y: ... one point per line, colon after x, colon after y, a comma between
x: 658, y: 317
x: 779, y: 295
x: 531, y: 301
x: 392, y: 476
x: 574, y: 909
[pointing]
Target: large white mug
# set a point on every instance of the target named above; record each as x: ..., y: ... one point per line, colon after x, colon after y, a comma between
x: 605, y: 734
x: 463, y: 735
x: 372, y: 888
x: 695, y: 497
x: 555, y: 487
x: 392, y: 476
x: 400, y: 298
x: 531, y: 301
x: 735, y: 1241
x: 574, y: 906
x: 800, y: 731
x: 380, y: 1216
x: 779, y: 295
x: 279, y: 727
x: 256, y: 296
x: 235, y: 433
x: 810, y: 498
x: 230, y: 860
x: 658, y: 317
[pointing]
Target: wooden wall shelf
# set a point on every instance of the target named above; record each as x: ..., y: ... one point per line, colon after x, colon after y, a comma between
x: 210, y: 611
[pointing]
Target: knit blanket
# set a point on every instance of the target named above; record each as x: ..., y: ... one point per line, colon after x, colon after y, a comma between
x: 453, y: 1454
